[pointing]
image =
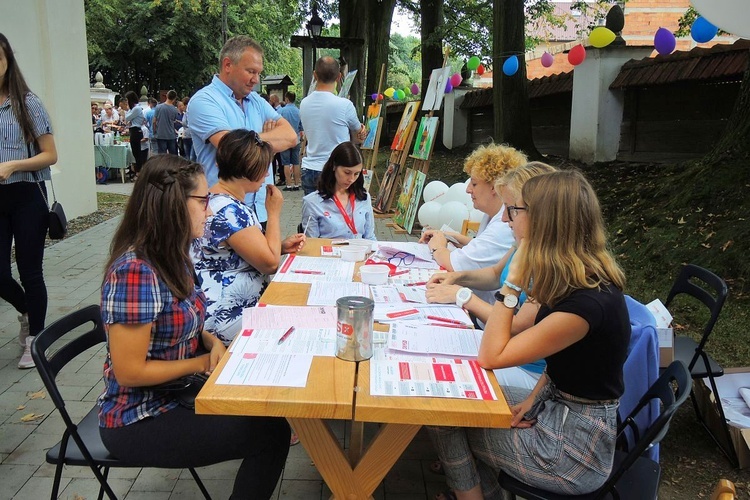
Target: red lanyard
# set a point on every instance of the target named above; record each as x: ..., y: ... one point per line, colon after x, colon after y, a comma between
x: 349, y: 220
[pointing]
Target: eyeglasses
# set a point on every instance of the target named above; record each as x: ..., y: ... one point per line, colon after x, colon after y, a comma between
x: 400, y: 258
x: 512, y: 211
x: 256, y: 137
x: 204, y: 199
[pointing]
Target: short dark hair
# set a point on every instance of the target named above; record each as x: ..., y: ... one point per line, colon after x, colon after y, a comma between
x: 171, y: 95
x: 132, y: 98
x: 152, y: 100
x: 243, y: 155
x: 185, y: 100
x: 345, y: 154
x: 327, y: 69
x: 290, y: 96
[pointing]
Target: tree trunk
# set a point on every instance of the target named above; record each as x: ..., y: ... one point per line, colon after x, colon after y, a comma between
x: 380, y: 17
x: 353, y: 15
x: 510, y: 94
x: 432, y: 42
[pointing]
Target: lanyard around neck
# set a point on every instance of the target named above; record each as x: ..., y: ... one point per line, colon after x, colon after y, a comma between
x: 349, y: 220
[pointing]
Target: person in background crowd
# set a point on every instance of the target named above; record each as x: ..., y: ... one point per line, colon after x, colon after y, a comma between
x: 278, y: 165
x: 178, y: 127
x: 290, y: 157
x: 135, y: 120
x: 28, y: 149
x: 96, y: 120
x: 149, y: 114
x: 123, y: 107
x: 187, y: 140
x: 110, y: 118
x: 165, y: 115
x: 153, y: 315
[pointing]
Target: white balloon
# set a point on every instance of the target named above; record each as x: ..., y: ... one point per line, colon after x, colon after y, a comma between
x: 475, y: 215
x: 453, y: 213
x: 429, y: 214
x: 456, y: 192
x: 434, y: 191
x: 733, y: 16
x: 466, y: 182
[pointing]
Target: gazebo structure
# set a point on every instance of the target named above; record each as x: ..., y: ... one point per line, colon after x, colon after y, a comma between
x: 277, y: 85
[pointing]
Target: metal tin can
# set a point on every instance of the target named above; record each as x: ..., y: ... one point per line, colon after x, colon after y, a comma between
x: 354, y: 328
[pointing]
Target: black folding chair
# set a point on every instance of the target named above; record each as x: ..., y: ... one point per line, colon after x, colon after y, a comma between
x: 86, y: 447
x: 699, y: 283
x: 634, y: 476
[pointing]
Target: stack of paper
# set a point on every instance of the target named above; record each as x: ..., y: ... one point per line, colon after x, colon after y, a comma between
x: 298, y: 269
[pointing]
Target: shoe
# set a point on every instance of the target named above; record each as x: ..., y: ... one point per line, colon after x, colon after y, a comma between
x: 23, y: 333
x: 280, y: 183
x: 295, y: 188
x: 288, y: 188
x: 26, y: 362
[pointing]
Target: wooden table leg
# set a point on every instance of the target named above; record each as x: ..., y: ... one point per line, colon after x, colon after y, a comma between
x: 382, y: 453
x: 355, y: 443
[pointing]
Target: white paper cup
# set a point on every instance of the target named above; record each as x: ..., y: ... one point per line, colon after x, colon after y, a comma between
x: 374, y: 274
x: 353, y: 254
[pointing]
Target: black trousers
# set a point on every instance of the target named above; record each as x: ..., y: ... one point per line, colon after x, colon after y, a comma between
x: 136, y: 135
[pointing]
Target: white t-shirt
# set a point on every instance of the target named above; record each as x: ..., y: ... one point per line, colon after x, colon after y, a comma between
x: 328, y: 121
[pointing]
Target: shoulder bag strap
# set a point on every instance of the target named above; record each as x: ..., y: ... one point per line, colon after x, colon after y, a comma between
x: 38, y: 180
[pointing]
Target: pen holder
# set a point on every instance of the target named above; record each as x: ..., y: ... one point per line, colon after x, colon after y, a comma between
x: 354, y: 328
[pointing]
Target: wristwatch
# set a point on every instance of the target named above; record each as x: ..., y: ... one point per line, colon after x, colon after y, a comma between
x: 510, y: 301
x: 462, y: 296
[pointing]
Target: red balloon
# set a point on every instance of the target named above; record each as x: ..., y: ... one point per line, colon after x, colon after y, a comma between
x: 380, y: 97
x: 576, y: 55
x: 480, y: 69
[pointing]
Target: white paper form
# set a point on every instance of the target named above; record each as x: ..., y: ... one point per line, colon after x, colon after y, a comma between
x: 432, y: 377
x: 735, y: 408
x: 276, y: 370
x: 417, y: 338
x: 314, y: 341
x: 330, y: 251
x: 396, y: 294
x: 413, y: 276
x: 286, y: 316
x: 420, y: 250
x: 423, y: 313
x: 326, y: 293
x: 299, y: 269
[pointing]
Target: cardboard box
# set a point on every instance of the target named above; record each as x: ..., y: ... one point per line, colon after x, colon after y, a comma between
x: 735, y: 410
x: 663, y: 331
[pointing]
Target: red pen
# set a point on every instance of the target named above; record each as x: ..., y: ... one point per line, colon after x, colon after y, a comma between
x: 461, y: 327
x: 396, y: 273
x: 303, y: 271
x: 418, y: 283
x: 285, y: 336
x: 447, y: 320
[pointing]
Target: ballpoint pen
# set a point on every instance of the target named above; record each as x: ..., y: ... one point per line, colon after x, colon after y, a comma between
x: 307, y: 224
x: 449, y: 325
x: 418, y: 283
x: 285, y: 336
x: 447, y: 320
x: 304, y: 271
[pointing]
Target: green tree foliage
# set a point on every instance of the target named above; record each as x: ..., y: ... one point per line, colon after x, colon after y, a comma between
x: 174, y: 44
x: 404, y: 66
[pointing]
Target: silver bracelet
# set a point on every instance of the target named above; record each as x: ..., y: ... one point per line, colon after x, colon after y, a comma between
x: 512, y: 286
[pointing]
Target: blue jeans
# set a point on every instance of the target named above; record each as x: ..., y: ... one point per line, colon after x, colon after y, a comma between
x: 166, y: 146
x: 24, y: 217
x: 310, y: 180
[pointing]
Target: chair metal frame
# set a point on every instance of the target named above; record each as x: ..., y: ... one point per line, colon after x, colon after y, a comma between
x: 85, y: 435
x: 631, y: 470
x: 693, y: 354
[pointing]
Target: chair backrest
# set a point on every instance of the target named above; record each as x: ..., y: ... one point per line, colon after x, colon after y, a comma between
x: 671, y: 389
x: 50, y: 364
x: 683, y: 285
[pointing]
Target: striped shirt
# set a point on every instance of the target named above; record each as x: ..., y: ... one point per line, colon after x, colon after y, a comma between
x: 134, y: 294
x: 12, y: 143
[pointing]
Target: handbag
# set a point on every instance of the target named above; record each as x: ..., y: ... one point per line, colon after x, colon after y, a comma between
x: 58, y: 222
x: 184, y: 389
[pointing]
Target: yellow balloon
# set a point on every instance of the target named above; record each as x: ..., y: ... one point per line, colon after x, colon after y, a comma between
x: 601, y: 37
x: 389, y: 92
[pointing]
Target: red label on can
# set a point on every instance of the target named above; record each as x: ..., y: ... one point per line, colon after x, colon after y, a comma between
x: 344, y: 328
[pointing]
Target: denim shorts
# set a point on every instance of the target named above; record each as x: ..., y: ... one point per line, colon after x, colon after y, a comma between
x: 290, y: 156
x: 310, y: 180
x: 569, y: 450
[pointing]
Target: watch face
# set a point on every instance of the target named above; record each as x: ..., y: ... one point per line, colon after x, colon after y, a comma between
x: 510, y: 301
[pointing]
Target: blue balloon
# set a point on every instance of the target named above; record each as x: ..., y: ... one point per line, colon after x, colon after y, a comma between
x: 703, y: 31
x: 510, y: 66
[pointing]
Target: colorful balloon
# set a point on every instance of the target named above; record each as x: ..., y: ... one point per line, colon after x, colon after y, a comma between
x: 374, y: 96
x: 473, y: 63
x: 389, y: 92
x: 664, y: 41
x: 600, y: 37
x: 703, y: 31
x: 456, y: 79
x: 414, y: 89
x: 407, y: 91
x: 547, y: 59
x: 399, y: 95
x: 576, y: 55
x: 448, y: 87
x: 510, y: 66
x: 380, y: 97
x: 480, y: 69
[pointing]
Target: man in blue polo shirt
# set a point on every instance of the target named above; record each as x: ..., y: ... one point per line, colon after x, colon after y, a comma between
x: 290, y: 157
x: 229, y: 103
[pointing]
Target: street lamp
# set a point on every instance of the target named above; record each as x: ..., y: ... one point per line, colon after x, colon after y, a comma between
x: 314, y: 28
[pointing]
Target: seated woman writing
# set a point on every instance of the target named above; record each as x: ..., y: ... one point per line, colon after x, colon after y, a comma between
x: 233, y: 257
x: 562, y: 435
x: 447, y: 288
x: 341, y: 207
x: 153, y: 314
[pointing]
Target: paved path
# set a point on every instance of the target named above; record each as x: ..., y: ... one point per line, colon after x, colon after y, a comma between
x: 73, y: 271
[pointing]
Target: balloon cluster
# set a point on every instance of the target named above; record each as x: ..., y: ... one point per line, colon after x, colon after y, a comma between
x: 701, y: 31
x: 447, y: 205
x: 396, y: 94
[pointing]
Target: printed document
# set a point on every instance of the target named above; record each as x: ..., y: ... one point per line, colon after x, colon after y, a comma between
x: 314, y: 341
x: 286, y: 316
x: 326, y: 293
x: 416, y: 338
x: 266, y: 369
x: 299, y: 269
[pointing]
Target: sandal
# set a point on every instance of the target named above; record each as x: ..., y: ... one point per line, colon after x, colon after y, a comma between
x: 294, y: 439
x: 437, y: 467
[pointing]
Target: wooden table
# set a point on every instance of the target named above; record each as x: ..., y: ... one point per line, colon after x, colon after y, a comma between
x: 341, y: 390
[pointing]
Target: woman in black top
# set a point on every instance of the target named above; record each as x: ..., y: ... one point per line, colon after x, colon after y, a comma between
x: 562, y: 434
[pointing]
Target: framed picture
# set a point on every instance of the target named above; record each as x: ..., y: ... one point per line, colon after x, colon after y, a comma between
x: 408, y: 200
x: 371, y: 125
x: 433, y: 98
x: 410, y: 111
x: 346, y: 85
x: 386, y: 187
x: 425, y: 137
x: 367, y: 176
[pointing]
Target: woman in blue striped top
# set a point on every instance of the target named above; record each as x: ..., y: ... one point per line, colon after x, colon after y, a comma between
x: 27, y: 149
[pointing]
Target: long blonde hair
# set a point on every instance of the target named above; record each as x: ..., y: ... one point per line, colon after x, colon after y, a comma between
x: 567, y: 243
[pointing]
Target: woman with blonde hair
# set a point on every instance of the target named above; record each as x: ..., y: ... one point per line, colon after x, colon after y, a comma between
x: 562, y: 435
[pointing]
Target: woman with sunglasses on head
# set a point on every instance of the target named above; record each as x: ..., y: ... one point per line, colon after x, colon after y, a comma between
x: 234, y: 256
x: 27, y: 149
x: 562, y: 435
x: 341, y: 207
x: 153, y: 314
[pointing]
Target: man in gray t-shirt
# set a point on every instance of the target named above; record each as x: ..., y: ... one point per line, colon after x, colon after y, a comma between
x: 165, y: 115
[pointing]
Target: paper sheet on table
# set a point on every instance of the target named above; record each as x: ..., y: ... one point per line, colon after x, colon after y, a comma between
x: 298, y: 269
x: 431, y: 377
x: 387, y: 313
x: 330, y: 251
x: 412, y: 276
x: 277, y: 370
x: 315, y: 341
x: 417, y: 338
x: 326, y: 293
x: 398, y: 294
x: 735, y: 408
x: 286, y: 316
x: 420, y: 250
